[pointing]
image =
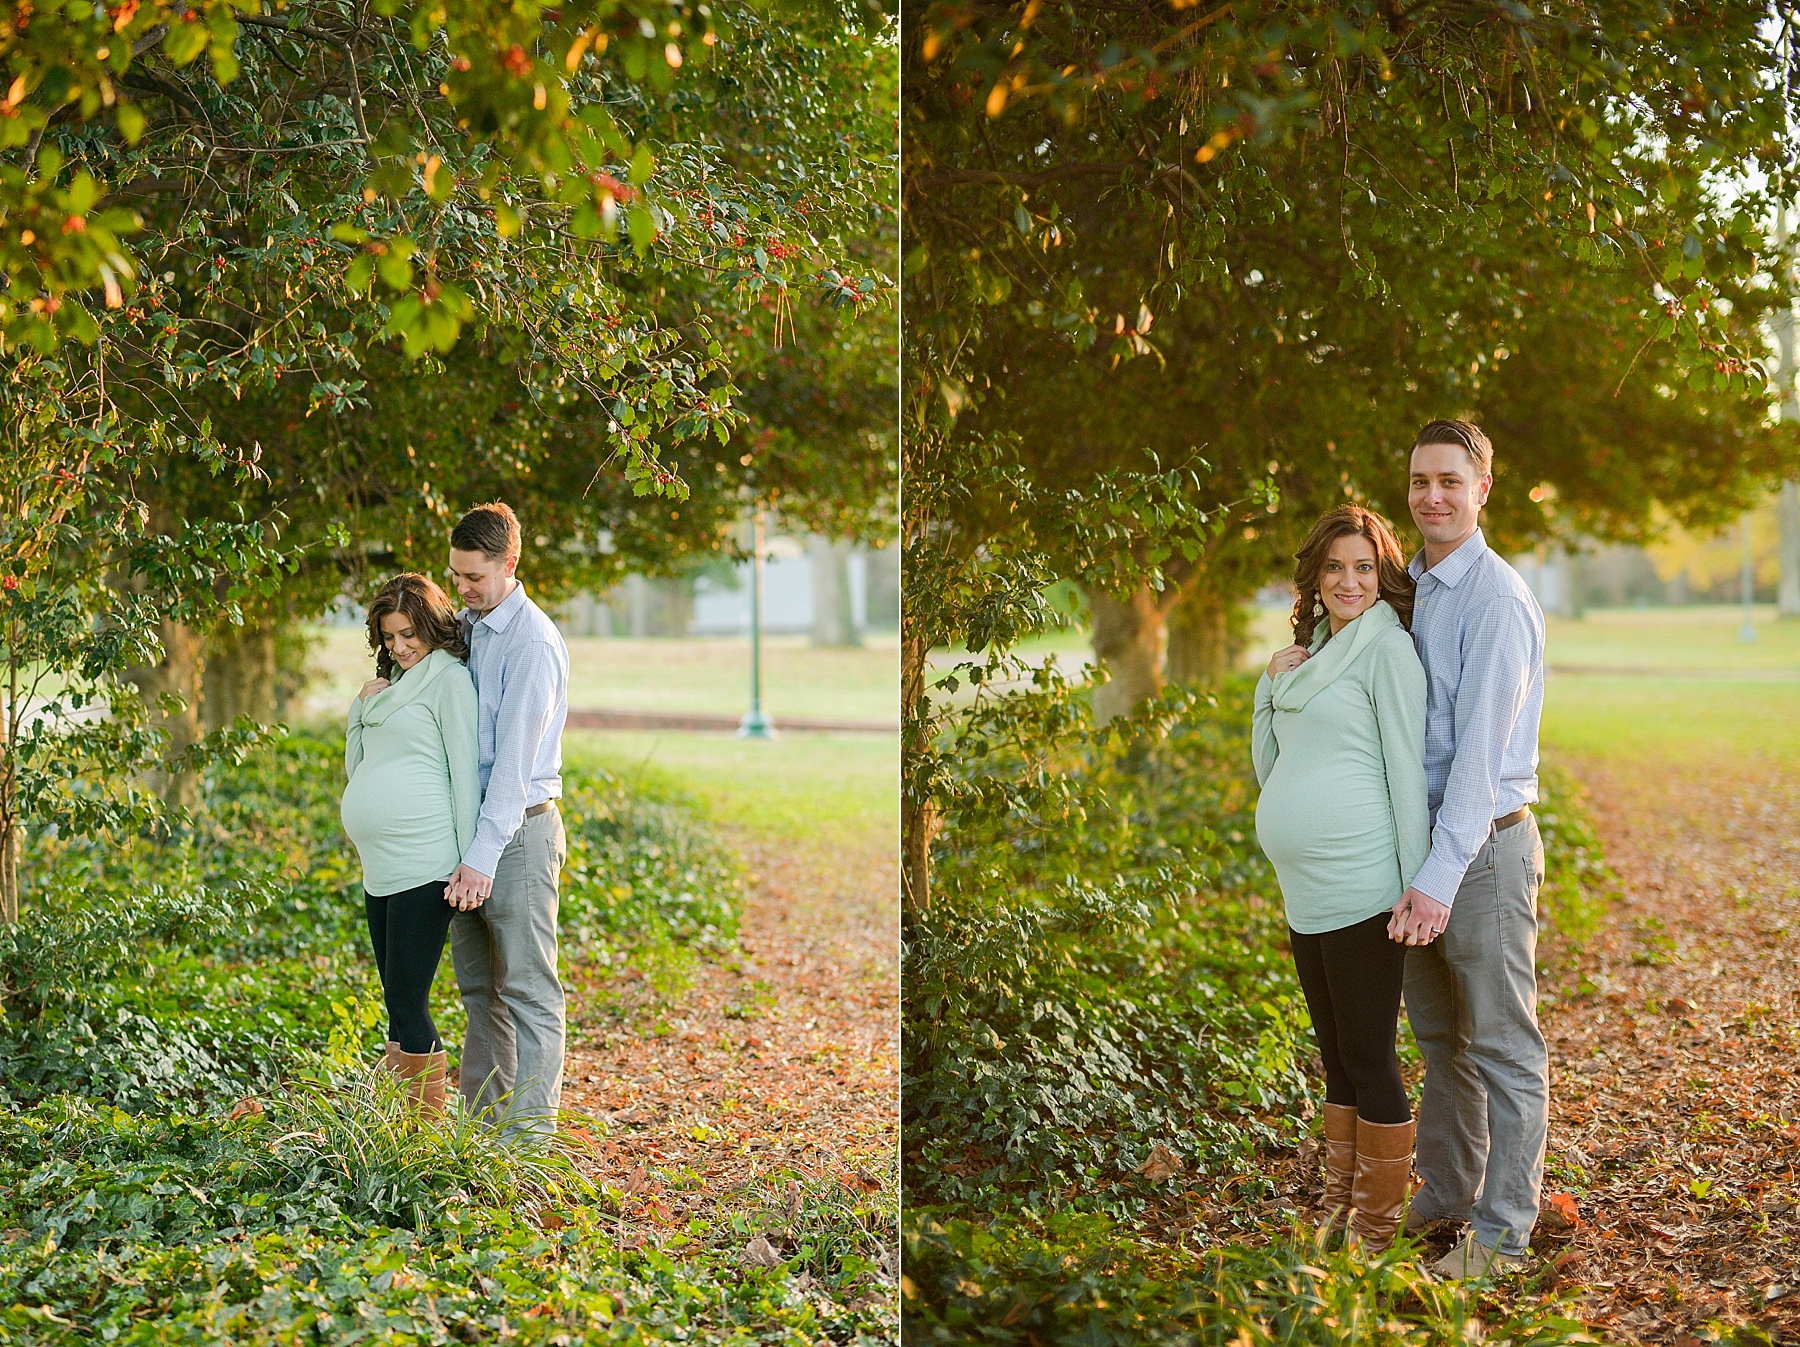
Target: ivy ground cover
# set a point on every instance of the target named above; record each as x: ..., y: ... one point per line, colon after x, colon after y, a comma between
x: 197, y: 1146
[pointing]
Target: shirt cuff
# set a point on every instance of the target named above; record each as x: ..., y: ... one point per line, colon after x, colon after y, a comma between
x: 483, y: 857
x: 1439, y: 879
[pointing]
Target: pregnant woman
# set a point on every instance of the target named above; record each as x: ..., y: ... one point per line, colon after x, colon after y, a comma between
x: 410, y: 808
x: 1339, y: 746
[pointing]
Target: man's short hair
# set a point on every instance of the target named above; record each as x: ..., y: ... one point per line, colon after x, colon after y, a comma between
x: 491, y: 529
x: 1464, y: 436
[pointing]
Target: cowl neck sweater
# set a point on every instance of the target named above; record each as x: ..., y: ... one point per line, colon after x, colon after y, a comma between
x: 407, y: 688
x: 1330, y: 656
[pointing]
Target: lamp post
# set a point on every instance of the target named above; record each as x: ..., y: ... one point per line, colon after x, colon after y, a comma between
x: 755, y: 725
x: 1747, y: 632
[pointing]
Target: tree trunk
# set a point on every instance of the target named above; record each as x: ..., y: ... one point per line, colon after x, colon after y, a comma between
x: 9, y: 784
x: 181, y: 674
x: 1131, y: 639
x: 238, y: 678
x: 1203, y: 639
x: 9, y: 867
x: 1787, y: 509
x: 834, y: 613
x: 1571, y: 583
x: 918, y: 815
x: 659, y: 607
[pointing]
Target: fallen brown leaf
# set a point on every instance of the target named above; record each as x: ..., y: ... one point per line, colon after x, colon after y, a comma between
x: 1162, y: 1163
x: 1558, y: 1213
x: 760, y: 1253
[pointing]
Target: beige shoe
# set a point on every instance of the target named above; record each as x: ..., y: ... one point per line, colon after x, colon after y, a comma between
x: 1383, y: 1182
x: 1340, y: 1163
x: 1472, y: 1258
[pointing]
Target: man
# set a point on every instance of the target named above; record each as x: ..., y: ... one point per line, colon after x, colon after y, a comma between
x: 1470, y: 914
x: 503, y: 940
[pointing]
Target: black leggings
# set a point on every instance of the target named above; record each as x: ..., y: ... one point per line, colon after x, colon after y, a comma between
x: 1352, y: 978
x: 407, y: 930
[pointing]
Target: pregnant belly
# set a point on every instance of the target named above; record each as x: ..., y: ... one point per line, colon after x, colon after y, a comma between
x: 1306, y: 823
x: 384, y: 807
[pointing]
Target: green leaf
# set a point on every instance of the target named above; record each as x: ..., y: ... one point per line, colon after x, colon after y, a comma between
x: 396, y: 270
x: 131, y: 122
x: 643, y: 226
x: 184, y: 41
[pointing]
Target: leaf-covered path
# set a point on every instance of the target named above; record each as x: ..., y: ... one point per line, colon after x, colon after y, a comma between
x: 762, y: 1084
x: 1674, y: 1089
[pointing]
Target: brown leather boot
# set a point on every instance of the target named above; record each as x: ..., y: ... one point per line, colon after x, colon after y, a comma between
x: 1340, y: 1163
x: 424, y: 1074
x: 1383, y: 1182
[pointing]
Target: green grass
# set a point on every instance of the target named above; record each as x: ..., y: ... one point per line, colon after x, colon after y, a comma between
x: 709, y: 675
x: 811, y: 789
x: 1697, y: 637
x: 1675, y: 717
x: 1697, y: 690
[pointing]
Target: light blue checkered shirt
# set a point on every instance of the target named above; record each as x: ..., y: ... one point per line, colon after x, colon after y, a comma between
x: 521, y: 671
x: 1480, y: 635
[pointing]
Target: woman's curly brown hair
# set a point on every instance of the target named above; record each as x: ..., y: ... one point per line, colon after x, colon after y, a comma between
x: 426, y: 606
x: 1392, y: 581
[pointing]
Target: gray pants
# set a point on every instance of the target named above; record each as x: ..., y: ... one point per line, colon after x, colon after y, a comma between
x: 1472, y: 998
x: 505, y: 957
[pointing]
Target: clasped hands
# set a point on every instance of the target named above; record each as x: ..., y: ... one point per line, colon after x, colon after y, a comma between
x: 468, y: 889
x: 1418, y: 919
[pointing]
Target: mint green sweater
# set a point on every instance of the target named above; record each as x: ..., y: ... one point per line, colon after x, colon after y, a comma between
x: 1339, y: 749
x: 415, y: 789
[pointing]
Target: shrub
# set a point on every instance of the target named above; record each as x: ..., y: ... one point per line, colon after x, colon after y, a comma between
x: 1102, y: 971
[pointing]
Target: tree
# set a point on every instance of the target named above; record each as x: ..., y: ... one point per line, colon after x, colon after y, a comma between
x: 1265, y: 243
x: 382, y: 263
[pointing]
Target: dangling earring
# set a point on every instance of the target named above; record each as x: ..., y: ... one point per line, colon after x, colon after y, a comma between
x: 1318, y: 607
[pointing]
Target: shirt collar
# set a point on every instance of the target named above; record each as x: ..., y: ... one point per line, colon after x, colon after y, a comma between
x: 500, y: 616
x: 1451, y: 570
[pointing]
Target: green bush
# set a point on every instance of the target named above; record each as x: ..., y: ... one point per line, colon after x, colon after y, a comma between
x: 333, y: 1151
x: 1578, y: 882
x: 1103, y: 971
x: 642, y: 868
